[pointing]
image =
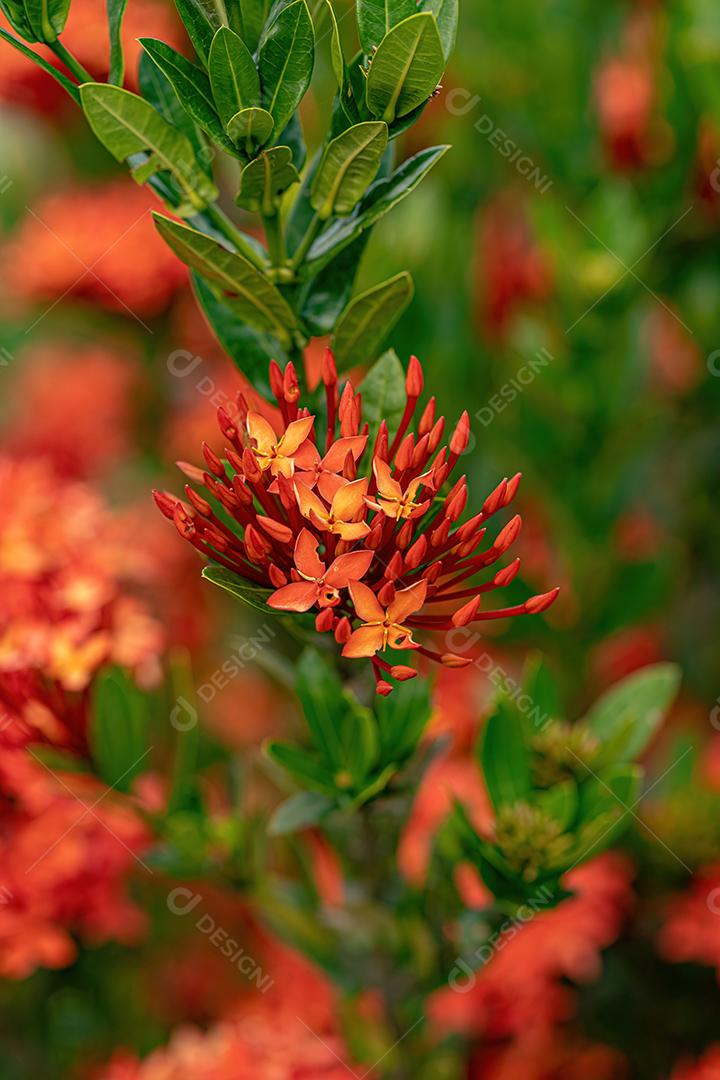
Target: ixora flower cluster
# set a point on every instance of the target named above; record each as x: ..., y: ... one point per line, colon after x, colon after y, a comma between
x: 365, y: 534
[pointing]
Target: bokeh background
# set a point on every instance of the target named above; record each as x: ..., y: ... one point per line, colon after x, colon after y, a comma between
x: 565, y: 256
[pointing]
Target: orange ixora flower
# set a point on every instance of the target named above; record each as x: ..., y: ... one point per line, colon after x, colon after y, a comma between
x: 365, y: 530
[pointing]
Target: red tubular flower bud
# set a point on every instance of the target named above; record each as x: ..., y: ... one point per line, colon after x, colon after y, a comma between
x: 291, y: 389
x: 349, y: 467
x: 374, y: 537
x: 440, y: 475
x: 329, y: 369
x: 416, y: 553
x: 420, y: 453
x: 276, y: 576
x: 414, y: 381
x: 226, y: 425
x: 512, y: 486
x: 403, y: 673
x: 506, y: 575
x: 214, y: 463
x: 165, y: 503
x: 214, y: 536
x: 383, y: 688
x: 325, y: 621
x: 386, y: 594
x: 495, y: 499
x: 244, y: 497
x: 343, y: 630
x: 276, y: 381
x: 428, y: 418
x: 382, y: 443
x: 436, y: 435
x: 197, y: 502
x: 471, y: 544
x: 467, y: 612
x: 276, y: 529
x: 242, y: 406
x: 440, y: 535
x: 256, y: 545
x: 508, y: 535
x: 251, y: 469
x: 536, y: 604
x: 461, y: 435
x: 234, y: 460
x: 191, y: 471
x: 404, y: 536
x: 450, y: 660
x: 433, y: 573
x: 468, y: 528
x: 394, y: 567
x: 456, y: 500
x: 404, y: 455
x: 183, y: 521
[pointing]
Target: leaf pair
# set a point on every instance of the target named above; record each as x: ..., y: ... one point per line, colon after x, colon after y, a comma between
x: 36, y: 20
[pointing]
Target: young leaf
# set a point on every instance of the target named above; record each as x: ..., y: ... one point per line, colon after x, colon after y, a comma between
x: 201, y: 19
x: 350, y: 163
x: 446, y: 16
x: 504, y: 756
x: 233, y: 76
x: 115, y: 13
x: 369, y: 318
x: 14, y: 12
x: 285, y: 61
x: 249, y: 18
x: 128, y: 125
x: 406, y: 68
x: 157, y: 89
x: 305, y: 767
x: 250, y: 128
x: 336, y: 54
x: 376, y: 19
x: 560, y: 802
x: 47, y: 18
x: 320, y: 692
x: 118, y: 729
x: 253, y: 296
x: 634, y: 708
x: 41, y: 62
x: 324, y: 297
x: 299, y: 812
x: 252, y: 595
x: 266, y: 179
x: 378, y: 200
x: 192, y: 87
x: 383, y: 394
x: 401, y: 719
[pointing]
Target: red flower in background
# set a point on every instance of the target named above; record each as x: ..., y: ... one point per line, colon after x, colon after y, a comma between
x: 705, y: 1068
x: 691, y: 933
x: 293, y: 488
x: 95, y: 243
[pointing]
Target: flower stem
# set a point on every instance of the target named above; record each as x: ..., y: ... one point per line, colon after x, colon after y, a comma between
x: 231, y: 232
x: 74, y: 66
x: 275, y: 239
x: 306, y: 242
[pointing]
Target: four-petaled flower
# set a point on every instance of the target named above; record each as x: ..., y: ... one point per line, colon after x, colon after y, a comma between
x: 277, y: 455
x: 319, y: 584
x: 391, y: 498
x: 341, y: 517
x: 382, y: 628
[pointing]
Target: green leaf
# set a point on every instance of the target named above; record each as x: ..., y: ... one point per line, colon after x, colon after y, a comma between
x: 560, y: 802
x: 192, y: 87
x: 251, y: 127
x: 115, y: 13
x: 249, y: 21
x: 266, y: 179
x: 504, y: 756
x: 184, y: 719
x: 201, y: 19
x: 301, y: 811
x: 617, y: 785
x: 118, y: 729
x: 380, y: 198
x: 369, y: 318
x: 255, y: 596
x: 446, y: 16
x: 336, y: 54
x: 14, y: 12
x: 359, y: 740
x: 406, y: 68
x: 127, y: 125
x: 248, y: 349
x: 383, y: 394
x: 252, y: 295
x: 157, y: 89
x: 323, y: 298
x: 633, y: 709
x: 320, y: 692
x: 285, y: 61
x: 376, y: 18
x: 233, y: 76
x: 47, y: 18
x: 350, y: 163
x: 41, y: 62
x: 306, y: 769
x: 540, y: 686
x: 402, y: 718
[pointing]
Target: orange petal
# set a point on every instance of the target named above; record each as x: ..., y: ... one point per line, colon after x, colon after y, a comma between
x: 335, y: 458
x: 261, y: 431
x: 365, y: 641
x: 306, y: 557
x: 366, y: 603
x: 388, y: 488
x: 356, y: 530
x: 329, y: 484
x: 298, y: 596
x: 307, y: 457
x: 349, y: 500
x: 295, y: 435
x: 347, y: 568
x: 309, y: 502
x: 414, y: 485
x: 407, y: 601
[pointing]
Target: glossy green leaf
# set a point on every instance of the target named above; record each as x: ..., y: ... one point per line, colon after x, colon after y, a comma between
x: 115, y: 13
x: 250, y: 129
x: 369, y: 318
x: 406, y: 68
x: 253, y: 297
x: 402, y: 718
x: 14, y: 12
x: 127, y: 125
x: 359, y: 741
x: 379, y: 199
x: 376, y: 18
x: 41, y: 62
x: 118, y: 732
x: 233, y: 76
x: 285, y: 61
x: 249, y: 20
x: 323, y: 298
x: 201, y: 19
x: 248, y: 348
x: 266, y: 179
x: 349, y: 165
x: 446, y: 16
x: 321, y: 695
x: 304, y: 767
x: 383, y: 394
x: 504, y: 756
x: 299, y: 812
x: 156, y: 88
x: 252, y: 595
x: 634, y: 708
x: 192, y: 87
x: 336, y: 54
x: 47, y: 18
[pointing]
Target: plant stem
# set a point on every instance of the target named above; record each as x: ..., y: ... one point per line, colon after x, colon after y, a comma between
x: 275, y: 239
x: 73, y: 65
x: 231, y: 232
x: 306, y: 242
